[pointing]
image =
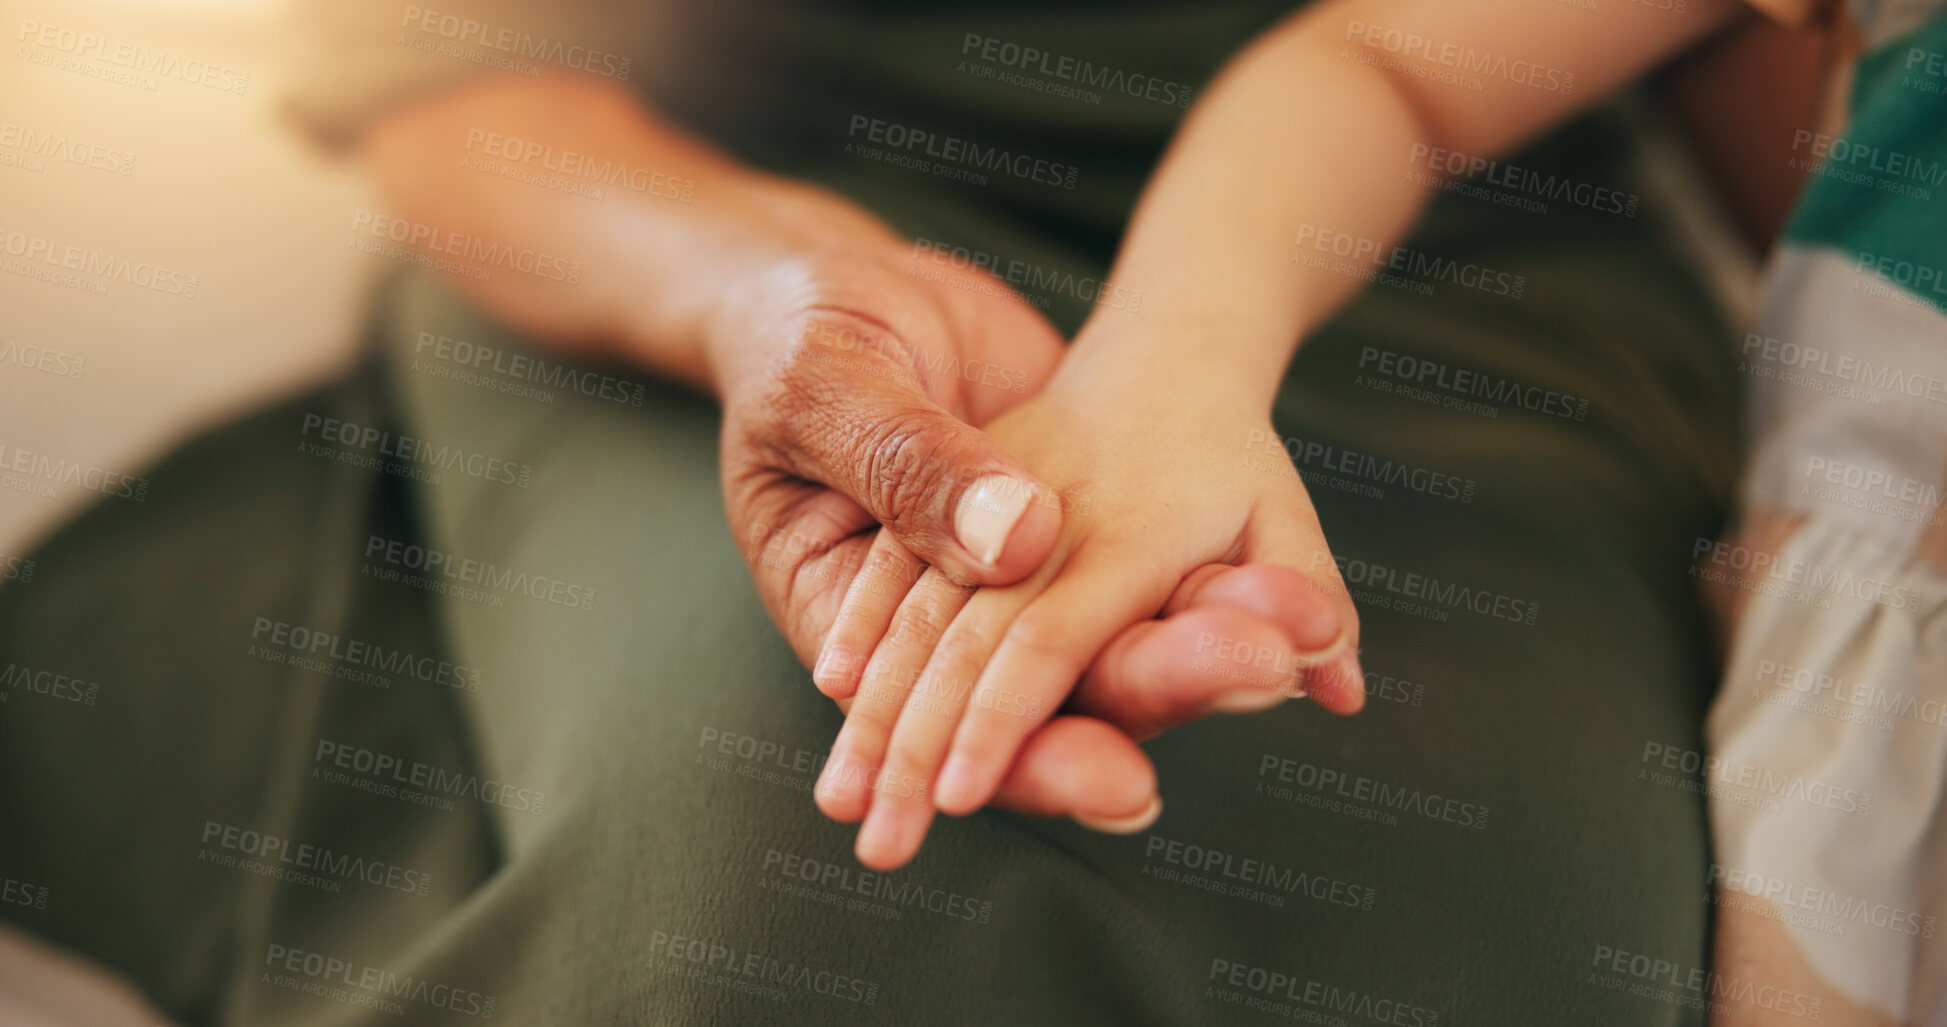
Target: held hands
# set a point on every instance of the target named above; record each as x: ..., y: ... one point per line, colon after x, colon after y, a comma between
x: 947, y: 682
x: 853, y: 381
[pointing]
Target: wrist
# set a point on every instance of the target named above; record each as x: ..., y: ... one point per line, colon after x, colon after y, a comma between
x: 707, y: 276
x: 1216, y: 363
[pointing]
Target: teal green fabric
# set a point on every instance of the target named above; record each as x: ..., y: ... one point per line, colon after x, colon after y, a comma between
x: 1889, y: 209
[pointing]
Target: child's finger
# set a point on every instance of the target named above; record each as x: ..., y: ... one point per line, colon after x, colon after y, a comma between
x: 889, y: 573
x: 900, y: 813
x: 923, y: 616
x: 1043, y: 654
x: 1083, y: 768
x: 1208, y: 658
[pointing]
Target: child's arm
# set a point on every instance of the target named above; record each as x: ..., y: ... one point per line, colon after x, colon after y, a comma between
x: 1299, y: 136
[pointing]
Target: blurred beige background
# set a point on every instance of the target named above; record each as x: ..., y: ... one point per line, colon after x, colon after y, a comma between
x: 218, y: 188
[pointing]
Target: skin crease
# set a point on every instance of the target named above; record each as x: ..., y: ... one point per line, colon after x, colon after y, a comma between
x: 1244, y: 179
x: 797, y: 310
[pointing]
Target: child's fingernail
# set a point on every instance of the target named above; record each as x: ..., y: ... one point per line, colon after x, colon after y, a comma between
x: 1247, y: 700
x: 891, y: 832
x: 988, y: 513
x: 956, y: 783
x: 1125, y: 825
x: 832, y: 661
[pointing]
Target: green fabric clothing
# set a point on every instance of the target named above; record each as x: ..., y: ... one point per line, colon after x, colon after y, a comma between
x: 1514, y: 478
x: 672, y: 738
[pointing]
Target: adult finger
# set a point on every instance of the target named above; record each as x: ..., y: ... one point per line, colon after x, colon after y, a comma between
x: 1159, y: 674
x: 1082, y: 768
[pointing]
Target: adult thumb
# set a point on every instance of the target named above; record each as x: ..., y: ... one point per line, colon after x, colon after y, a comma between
x: 955, y: 497
x: 850, y: 409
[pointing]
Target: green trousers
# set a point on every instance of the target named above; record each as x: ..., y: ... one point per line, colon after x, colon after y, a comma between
x: 440, y: 694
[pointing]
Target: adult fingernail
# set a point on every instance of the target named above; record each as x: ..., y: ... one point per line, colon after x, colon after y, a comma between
x: 988, y: 512
x: 1247, y: 700
x: 1124, y: 825
x: 1344, y: 673
x: 1317, y: 633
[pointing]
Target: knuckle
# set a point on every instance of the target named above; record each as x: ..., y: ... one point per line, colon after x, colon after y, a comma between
x: 874, y: 709
x: 795, y: 404
x: 781, y: 570
x: 980, y: 739
x: 892, y: 561
x: 957, y: 662
x: 1040, y: 635
x: 807, y: 600
x: 901, y: 457
x: 797, y: 565
x: 905, y: 760
x: 921, y: 618
x: 931, y: 608
x: 899, y: 782
x: 880, y: 592
x: 1122, y: 538
x: 1003, y: 705
x: 816, y: 365
x: 827, y: 337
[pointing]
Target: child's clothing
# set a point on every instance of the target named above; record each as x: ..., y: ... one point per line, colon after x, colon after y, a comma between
x: 1829, y: 737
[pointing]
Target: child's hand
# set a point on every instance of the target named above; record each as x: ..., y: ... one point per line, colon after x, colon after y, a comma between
x: 1160, y: 498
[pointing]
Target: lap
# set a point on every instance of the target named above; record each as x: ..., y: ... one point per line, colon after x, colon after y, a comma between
x: 1526, y: 644
x: 1470, y: 844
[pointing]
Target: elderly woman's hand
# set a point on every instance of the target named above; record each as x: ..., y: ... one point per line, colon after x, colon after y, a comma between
x: 852, y: 370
